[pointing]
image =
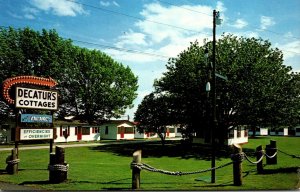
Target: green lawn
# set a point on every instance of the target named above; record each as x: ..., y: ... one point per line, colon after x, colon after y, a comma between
x: 108, y: 167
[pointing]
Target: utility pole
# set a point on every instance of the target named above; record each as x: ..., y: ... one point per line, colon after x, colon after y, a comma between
x: 214, y: 95
x: 213, y: 153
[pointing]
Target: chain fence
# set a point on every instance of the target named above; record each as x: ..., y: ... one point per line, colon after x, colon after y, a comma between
x: 13, y: 162
x: 234, y: 157
x: 294, y: 156
x: 147, y: 167
x: 263, y: 154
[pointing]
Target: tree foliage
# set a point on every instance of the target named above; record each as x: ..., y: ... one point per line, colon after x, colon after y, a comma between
x: 92, y: 85
x: 260, y: 90
x: 154, y: 115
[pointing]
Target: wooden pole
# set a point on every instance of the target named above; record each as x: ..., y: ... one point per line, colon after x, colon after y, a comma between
x: 237, y: 166
x: 137, y: 158
x: 60, y: 159
x: 14, y: 153
x: 214, y: 102
x: 259, y: 166
x: 273, y: 150
x: 51, y: 145
x: 270, y: 151
x: 52, y: 174
x: 57, y: 176
x: 52, y: 127
x: 12, y: 168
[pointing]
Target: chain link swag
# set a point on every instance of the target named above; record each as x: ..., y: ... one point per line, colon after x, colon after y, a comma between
x: 12, y: 162
x: 175, y: 173
x: 294, y: 156
x: 239, y: 157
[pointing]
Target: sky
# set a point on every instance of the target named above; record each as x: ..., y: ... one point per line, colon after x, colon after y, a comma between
x: 144, y: 34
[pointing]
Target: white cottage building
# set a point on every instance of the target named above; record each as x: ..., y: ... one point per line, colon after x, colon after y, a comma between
x: 75, y: 131
x: 237, y: 135
x: 259, y: 132
x: 117, y: 130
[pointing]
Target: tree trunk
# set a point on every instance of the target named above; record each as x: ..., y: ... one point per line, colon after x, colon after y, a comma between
x: 162, y: 138
x: 253, y: 130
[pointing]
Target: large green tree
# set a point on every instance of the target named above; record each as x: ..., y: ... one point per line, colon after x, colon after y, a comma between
x: 154, y: 115
x: 97, y: 86
x: 92, y: 85
x: 260, y: 90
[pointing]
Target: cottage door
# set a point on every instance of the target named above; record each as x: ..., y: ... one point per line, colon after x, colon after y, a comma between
x: 79, y: 134
x: 122, y: 131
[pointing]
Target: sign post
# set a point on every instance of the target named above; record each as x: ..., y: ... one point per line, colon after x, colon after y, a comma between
x: 31, y: 99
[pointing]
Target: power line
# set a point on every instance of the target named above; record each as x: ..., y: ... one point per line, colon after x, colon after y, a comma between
x: 112, y: 47
x: 134, y: 17
x: 121, y: 49
x: 192, y: 10
x: 252, y: 26
x: 132, y: 50
x: 174, y: 26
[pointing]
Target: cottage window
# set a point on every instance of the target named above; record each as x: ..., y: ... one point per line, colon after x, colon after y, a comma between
x: 96, y: 129
x: 106, y: 130
x: 239, y: 131
x: 121, y: 130
x: 246, y: 133
x: 129, y: 130
x: 85, y: 131
x: 231, y: 134
x: 171, y: 130
x: 61, y: 131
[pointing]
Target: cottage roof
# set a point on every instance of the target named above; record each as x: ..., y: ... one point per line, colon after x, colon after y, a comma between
x: 124, y: 125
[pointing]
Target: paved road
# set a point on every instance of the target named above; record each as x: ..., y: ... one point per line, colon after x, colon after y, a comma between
x: 56, y: 144
x: 85, y: 144
x: 15, y: 187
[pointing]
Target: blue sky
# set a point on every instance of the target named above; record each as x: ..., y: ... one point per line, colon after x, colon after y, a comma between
x: 143, y: 34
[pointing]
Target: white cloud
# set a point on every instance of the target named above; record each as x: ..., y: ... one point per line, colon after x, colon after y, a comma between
x: 116, y: 4
x: 165, y: 31
x: 291, y: 49
x: 107, y: 3
x: 131, y: 38
x: 266, y: 22
x: 14, y: 15
x: 153, y: 35
x: 186, y: 22
x: 59, y: 7
x: 240, y: 23
x: 29, y: 16
x: 248, y: 34
x: 129, y: 56
x: 289, y: 35
x: 30, y: 13
x: 220, y: 7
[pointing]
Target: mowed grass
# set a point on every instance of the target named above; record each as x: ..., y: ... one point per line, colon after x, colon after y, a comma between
x: 108, y: 167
